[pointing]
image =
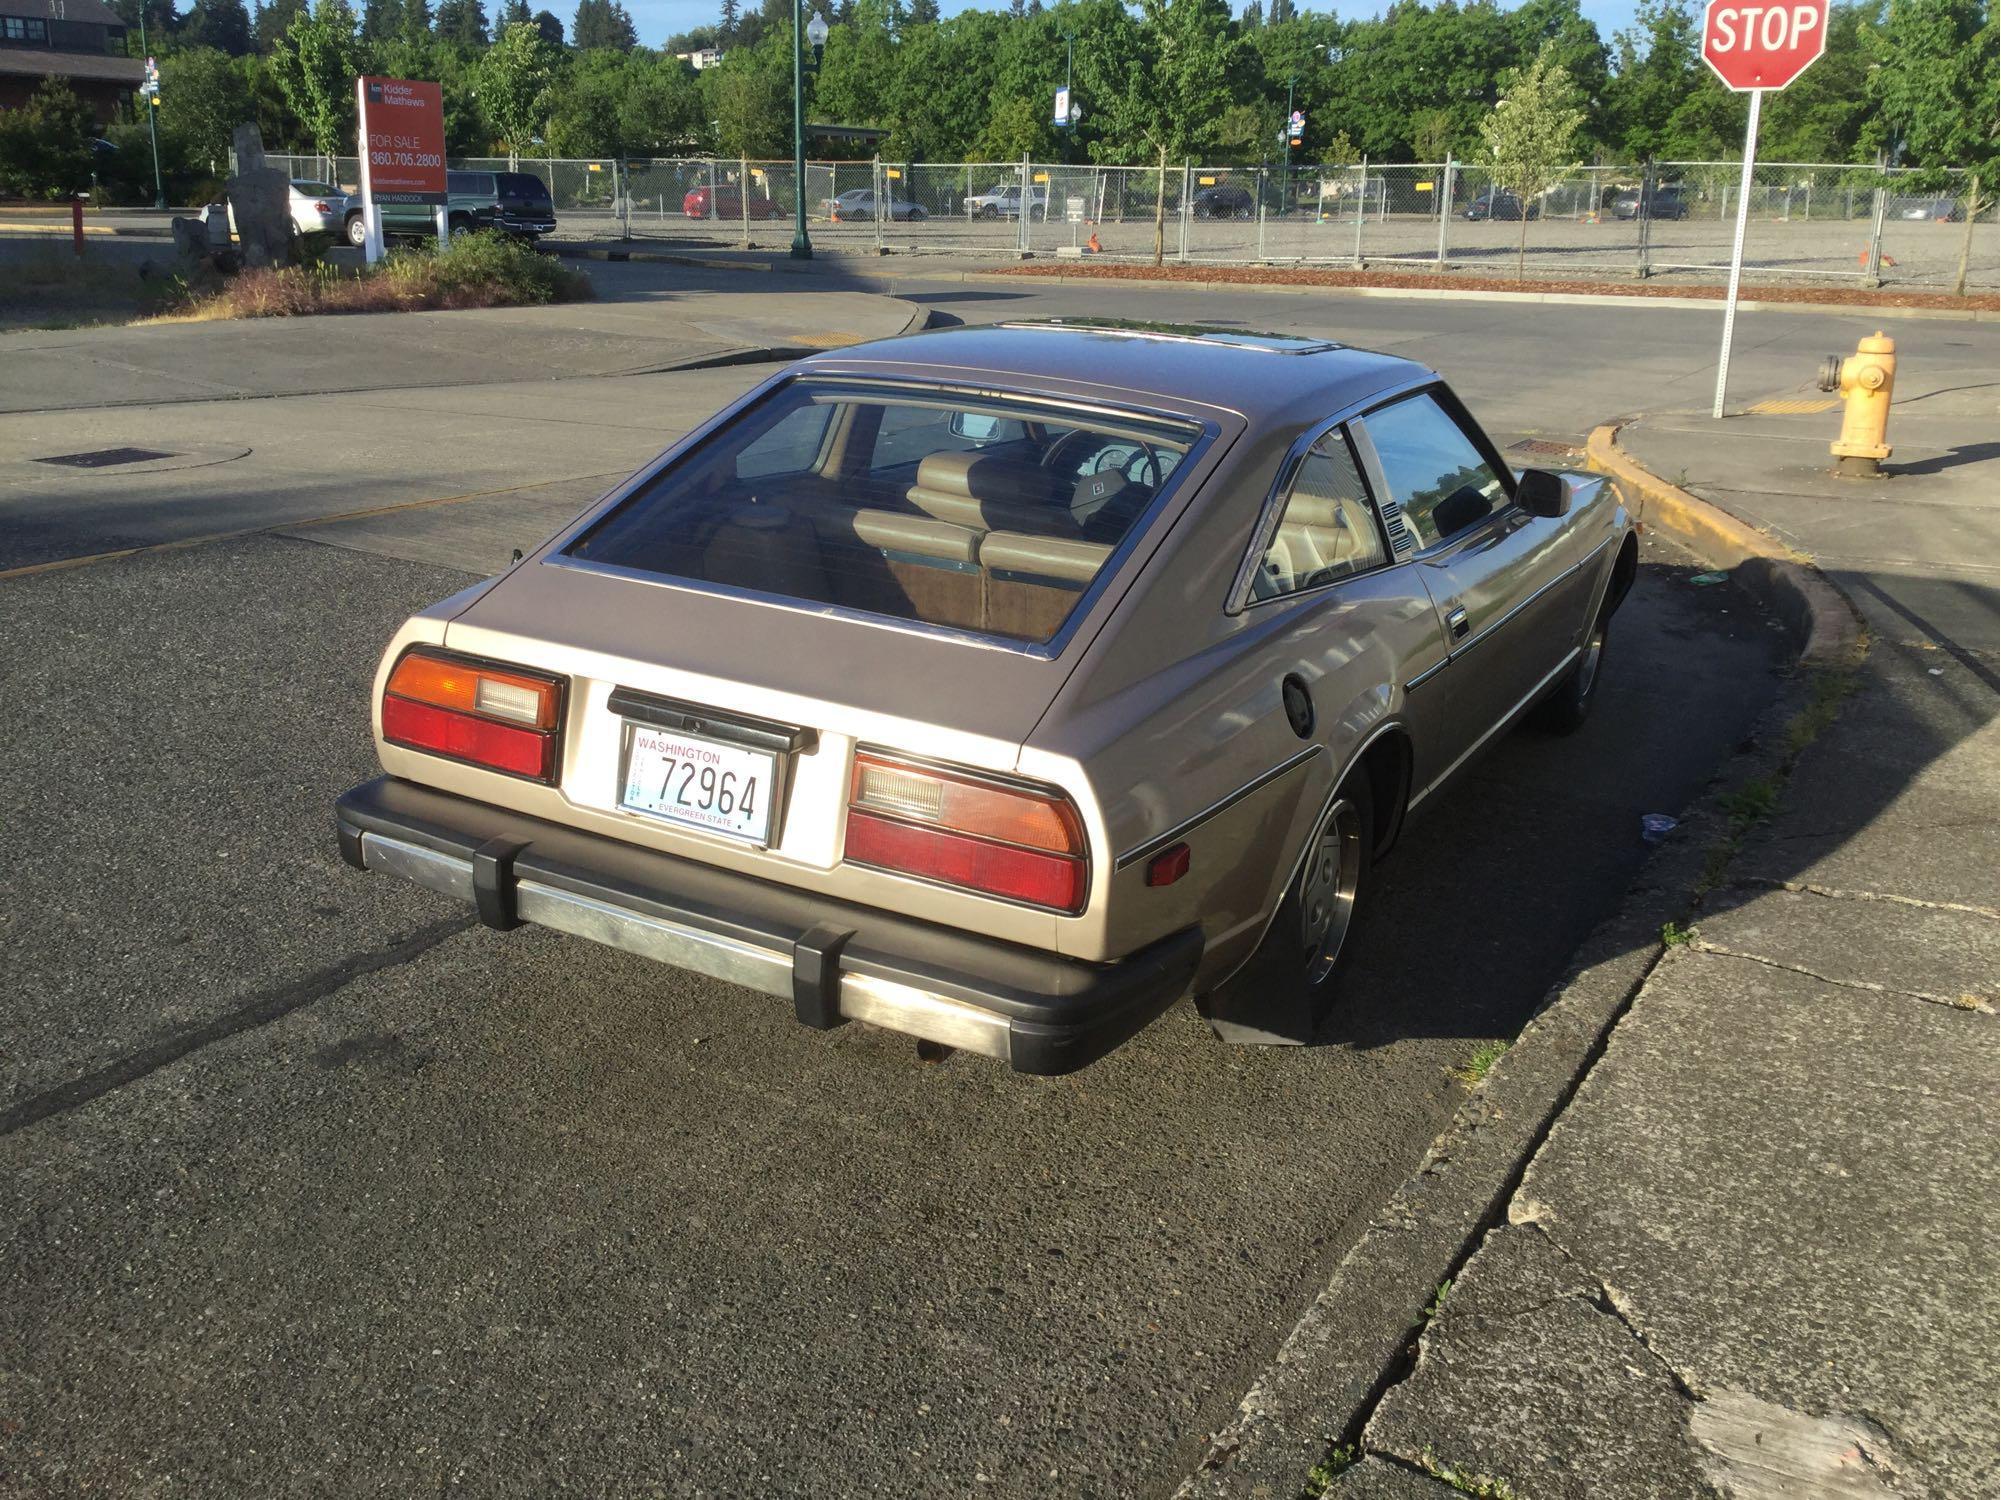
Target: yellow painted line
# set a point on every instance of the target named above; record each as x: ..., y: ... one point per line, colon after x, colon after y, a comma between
x: 63, y: 563
x: 13, y: 226
x: 1789, y: 406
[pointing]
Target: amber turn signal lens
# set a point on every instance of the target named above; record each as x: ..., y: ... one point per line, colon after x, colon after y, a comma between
x: 471, y: 688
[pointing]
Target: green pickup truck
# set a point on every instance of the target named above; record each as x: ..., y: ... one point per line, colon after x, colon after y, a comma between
x: 515, y: 203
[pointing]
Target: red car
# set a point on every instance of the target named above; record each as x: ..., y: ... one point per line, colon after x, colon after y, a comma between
x: 730, y: 204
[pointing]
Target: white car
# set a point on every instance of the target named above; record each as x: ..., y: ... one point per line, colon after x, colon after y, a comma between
x: 317, y: 208
x: 1003, y: 201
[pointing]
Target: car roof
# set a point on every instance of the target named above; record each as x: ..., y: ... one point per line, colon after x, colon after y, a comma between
x: 1261, y: 375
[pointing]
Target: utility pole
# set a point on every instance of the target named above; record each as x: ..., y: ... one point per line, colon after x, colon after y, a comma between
x: 1285, y: 168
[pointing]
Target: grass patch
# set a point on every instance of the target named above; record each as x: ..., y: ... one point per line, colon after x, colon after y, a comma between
x: 1324, y: 1473
x: 1676, y: 937
x: 481, y: 270
x: 1468, y: 1483
x: 1471, y: 1071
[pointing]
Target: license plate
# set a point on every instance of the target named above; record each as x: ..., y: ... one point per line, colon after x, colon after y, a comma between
x: 701, y: 783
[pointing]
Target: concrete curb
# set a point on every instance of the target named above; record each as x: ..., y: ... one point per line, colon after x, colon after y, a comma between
x: 1359, y: 1337
x: 1474, y: 294
x: 1822, y: 622
x: 653, y: 258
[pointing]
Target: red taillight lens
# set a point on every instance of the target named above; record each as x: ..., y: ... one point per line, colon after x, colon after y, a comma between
x: 500, y: 718
x: 966, y: 830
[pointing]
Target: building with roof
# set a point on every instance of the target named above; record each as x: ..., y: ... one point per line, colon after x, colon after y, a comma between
x: 81, y: 42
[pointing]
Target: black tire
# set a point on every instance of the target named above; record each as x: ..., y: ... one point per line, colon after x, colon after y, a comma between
x: 460, y: 227
x: 1284, y: 992
x: 1243, y: 211
x: 357, y: 230
x: 1569, y: 702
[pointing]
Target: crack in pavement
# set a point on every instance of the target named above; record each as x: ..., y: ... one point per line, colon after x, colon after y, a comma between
x: 1972, y: 1003
x: 258, y: 1011
x: 1833, y: 893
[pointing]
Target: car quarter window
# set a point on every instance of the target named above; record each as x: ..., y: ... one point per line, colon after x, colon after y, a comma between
x: 1327, y: 529
x: 1436, y: 473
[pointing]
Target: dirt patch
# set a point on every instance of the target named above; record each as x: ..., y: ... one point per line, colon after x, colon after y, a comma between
x: 1430, y: 282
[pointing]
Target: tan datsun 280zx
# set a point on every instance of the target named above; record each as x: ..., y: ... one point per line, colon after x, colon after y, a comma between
x: 1000, y: 686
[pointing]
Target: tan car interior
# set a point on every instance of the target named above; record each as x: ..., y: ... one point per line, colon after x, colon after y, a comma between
x: 1328, y: 531
x: 993, y: 542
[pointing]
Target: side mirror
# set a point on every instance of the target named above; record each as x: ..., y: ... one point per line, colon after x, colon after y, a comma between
x: 1542, y: 493
x: 975, y: 426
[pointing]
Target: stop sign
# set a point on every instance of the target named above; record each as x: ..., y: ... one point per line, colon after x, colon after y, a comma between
x: 1758, y: 46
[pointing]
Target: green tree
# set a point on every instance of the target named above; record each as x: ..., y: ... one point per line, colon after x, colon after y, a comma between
x: 857, y: 75
x: 381, y: 20
x: 749, y: 96
x: 270, y: 22
x: 204, y: 96
x: 1530, y: 135
x: 603, y: 23
x: 550, y: 27
x: 1821, y: 116
x: 1933, y: 85
x: 936, y: 101
x: 1176, y: 84
x: 316, y: 62
x: 462, y: 22
x: 515, y: 77
x: 222, y: 24
x: 45, y: 145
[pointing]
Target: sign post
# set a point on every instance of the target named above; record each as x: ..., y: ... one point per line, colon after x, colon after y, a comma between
x: 402, y: 151
x: 1754, y: 47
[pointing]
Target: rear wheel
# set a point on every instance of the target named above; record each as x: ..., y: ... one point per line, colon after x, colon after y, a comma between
x: 357, y: 230
x: 1281, y: 995
x: 462, y: 228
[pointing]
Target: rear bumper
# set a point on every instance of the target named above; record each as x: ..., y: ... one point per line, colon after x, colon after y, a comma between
x: 1038, y: 1012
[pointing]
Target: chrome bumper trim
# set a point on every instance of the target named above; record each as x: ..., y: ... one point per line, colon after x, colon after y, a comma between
x: 878, y: 1002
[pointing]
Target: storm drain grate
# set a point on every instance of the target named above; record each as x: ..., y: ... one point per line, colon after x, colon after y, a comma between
x: 105, y: 458
x: 1543, y: 446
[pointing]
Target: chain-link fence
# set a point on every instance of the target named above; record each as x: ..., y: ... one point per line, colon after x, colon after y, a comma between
x: 1678, y: 219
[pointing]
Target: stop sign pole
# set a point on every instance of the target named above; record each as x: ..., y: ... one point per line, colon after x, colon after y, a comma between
x: 1754, y: 47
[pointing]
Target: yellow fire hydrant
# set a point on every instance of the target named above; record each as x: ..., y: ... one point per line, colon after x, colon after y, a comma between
x: 1865, y: 380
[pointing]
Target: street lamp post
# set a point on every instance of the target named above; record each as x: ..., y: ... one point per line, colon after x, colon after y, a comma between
x: 151, y: 94
x: 816, y: 31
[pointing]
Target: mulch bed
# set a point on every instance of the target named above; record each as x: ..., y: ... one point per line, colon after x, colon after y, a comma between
x: 1841, y: 296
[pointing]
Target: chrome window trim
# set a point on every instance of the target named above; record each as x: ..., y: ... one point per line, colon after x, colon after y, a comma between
x: 1270, y: 512
x: 1205, y: 432
x: 1222, y: 804
x: 1521, y: 604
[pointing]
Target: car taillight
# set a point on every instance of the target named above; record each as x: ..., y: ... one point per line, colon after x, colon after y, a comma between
x: 967, y: 830
x: 321, y: 208
x: 499, y: 718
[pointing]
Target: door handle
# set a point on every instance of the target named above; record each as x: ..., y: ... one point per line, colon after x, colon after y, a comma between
x: 1457, y: 620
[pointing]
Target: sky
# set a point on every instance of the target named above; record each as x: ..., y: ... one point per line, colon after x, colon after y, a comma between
x: 659, y: 19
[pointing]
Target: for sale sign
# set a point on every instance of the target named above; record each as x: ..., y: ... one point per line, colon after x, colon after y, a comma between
x: 402, y: 140
x: 1752, y: 46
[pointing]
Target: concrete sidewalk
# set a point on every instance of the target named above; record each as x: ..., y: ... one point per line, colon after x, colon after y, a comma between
x: 148, y: 364
x: 1756, y: 1254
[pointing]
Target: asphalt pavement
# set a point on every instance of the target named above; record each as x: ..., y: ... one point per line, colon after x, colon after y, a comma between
x: 312, y: 1186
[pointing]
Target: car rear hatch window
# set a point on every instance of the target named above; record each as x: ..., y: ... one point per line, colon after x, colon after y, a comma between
x: 521, y: 192
x: 966, y: 512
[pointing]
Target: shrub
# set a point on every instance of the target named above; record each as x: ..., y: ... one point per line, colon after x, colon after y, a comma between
x: 45, y: 147
x: 483, y: 270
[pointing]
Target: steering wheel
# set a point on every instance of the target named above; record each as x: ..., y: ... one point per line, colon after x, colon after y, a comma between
x: 1134, y: 459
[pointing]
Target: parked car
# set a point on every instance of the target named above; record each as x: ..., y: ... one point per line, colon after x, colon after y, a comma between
x: 1937, y: 210
x: 1000, y: 685
x: 860, y: 203
x: 1664, y: 201
x: 1498, y: 204
x: 1003, y: 201
x: 730, y: 203
x: 317, y: 208
x: 515, y: 203
x: 1226, y: 200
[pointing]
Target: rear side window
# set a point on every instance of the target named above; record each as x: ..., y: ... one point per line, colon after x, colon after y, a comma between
x: 1327, y: 529
x: 469, y: 184
x: 960, y: 511
x: 1435, y: 471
